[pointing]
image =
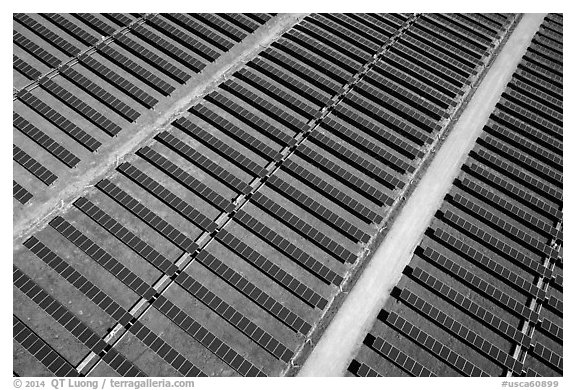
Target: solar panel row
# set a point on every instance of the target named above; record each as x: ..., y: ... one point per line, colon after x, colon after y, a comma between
x: 20, y: 193
x: 33, y: 166
x: 462, y: 332
x: 303, y: 228
x: 471, y: 254
x: 274, y: 272
x: 298, y: 255
x: 181, y: 176
x: 322, y: 212
x: 206, y: 338
x: 42, y: 351
x: 219, y: 146
x: 434, y: 346
x: 79, y: 135
x: 204, y: 162
x: 259, y: 297
x: 73, y: 325
x: 146, y: 215
x: 316, y: 182
x: 250, y: 119
x: 25, y: 68
x: 178, y: 204
x: 398, y: 357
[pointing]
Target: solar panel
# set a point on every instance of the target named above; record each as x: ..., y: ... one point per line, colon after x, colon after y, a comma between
x: 363, y: 124
x: 447, y: 46
x: 362, y: 369
x: 220, y: 25
x: 204, y: 337
x: 383, y: 176
x: 176, y: 203
x: 502, y: 225
x: 497, y: 245
x: 388, y: 118
x: 418, y: 72
x: 100, y: 93
x: 36, y: 51
x: 182, y: 177
x: 513, y: 138
x: 486, y: 262
x: 358, y: 55
x: 326, y: 84
x: 127, y: 237
x: 322, y: 212
x: 513, y: 190
x: 393, y: 82
x: 447, y: 61
x: 513, y: 172
x: 219, y: 147
x: 146, y: 215
x: 345, y: 33
x: 303, y: 228
x: 61, y: 122
x: 265, y: 106
x: 470, y: 307
x: 153, y: 59
x: 465, y: 334
x: 326, y: 68
x: 285, y: 246
x: 268, y: 303
x: 103, y: 258
x: 121, y: 19
x: 183, y: 38
x: 235, y: 132
x: 398, y: 357
x: 448, y: 23
x: 245, y: 21
x: 41, y: 350
x: 548, y: 356
x: 136, y: 70
x: 330, y: 191
x: 200, y: 29
x: 81, y: 107
x: 204, y: 162
x: 228, y: 313
x: 378, y: 152
x: 20, y: 193
x: 190, y: 61
x: 296, y: 103
x: 33, y: 166
x: 96, y: 23
x: 300, y: 290
x: 433, y: 66
x: 165, y: 351
x: 431, y: 344
x: 72, y: 29
x: 250, y: 119
x: 551, y: 329
x: 345, y: 176
x: 47, y: 34
x: 345, y: 56
x: 25, y: 69
x: 45, y: 141
x: 69, y: 321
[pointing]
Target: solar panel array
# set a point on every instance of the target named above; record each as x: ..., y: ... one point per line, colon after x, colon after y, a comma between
x: 233, y: 229
x: 107, y: 70
x: 479, y: 297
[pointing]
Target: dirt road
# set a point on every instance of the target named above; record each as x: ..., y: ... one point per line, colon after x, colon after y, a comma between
x: 342, y: 338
